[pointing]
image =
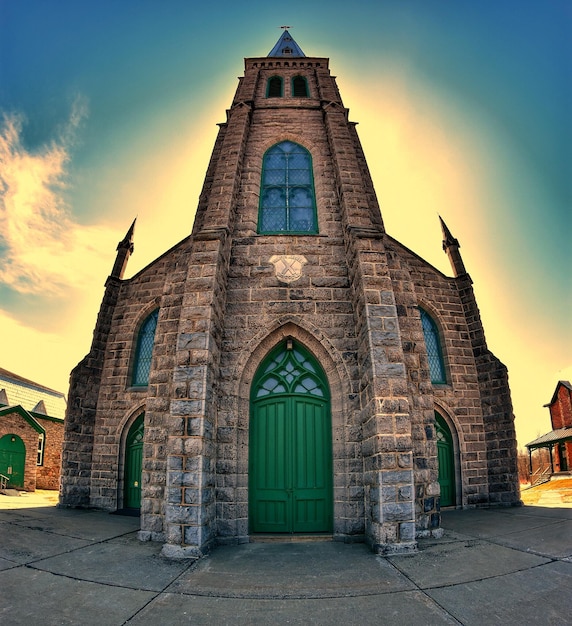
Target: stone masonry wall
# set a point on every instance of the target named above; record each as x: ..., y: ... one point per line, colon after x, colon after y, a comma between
x: 476, y: 398
x: 459, y: 399
x: 48, y: 474
x: 316, y: 309
x: 420, y: 394
x: 119, y: 403
x: 498, y: 418
x: 85, y: 381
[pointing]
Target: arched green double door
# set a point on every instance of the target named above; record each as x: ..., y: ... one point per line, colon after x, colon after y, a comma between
x: 133, y: 464
x: 290, y: 458
x: 13, y: 459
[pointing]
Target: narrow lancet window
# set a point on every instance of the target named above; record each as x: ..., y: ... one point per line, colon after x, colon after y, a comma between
x: 299, y: 87
x: 144, y: 351
x: 433, y: 347
x: 287, y: 199
x: 274, y: 88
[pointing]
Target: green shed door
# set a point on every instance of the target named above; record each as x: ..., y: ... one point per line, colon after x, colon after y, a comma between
x: 446, y: 459
x: 13, y: 459
x: 290, y: 477
x: 133, y: 465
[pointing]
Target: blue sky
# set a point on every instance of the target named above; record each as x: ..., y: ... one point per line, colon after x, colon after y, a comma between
x: 110, y: 111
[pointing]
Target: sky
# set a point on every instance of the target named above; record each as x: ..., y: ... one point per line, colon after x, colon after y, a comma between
x: 109, y: 111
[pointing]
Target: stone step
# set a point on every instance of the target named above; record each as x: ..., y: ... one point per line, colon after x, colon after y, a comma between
x: 290, y: 538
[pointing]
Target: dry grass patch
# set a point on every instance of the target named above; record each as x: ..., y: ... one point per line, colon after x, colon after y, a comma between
x: 563, y: 486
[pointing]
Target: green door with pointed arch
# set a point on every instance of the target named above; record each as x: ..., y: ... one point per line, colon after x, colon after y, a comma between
x: 446, y: 460
x: 133, y: 464
x: 13, y: 459
x: 290, y: 461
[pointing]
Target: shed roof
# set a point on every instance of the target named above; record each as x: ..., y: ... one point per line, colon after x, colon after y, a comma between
x: 560, y: 434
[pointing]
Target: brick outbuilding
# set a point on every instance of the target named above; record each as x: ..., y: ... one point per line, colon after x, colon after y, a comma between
x: 31, y: 433
x: 559, y: 440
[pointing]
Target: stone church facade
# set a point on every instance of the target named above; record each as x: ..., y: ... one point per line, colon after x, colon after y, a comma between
x: 289, y: 367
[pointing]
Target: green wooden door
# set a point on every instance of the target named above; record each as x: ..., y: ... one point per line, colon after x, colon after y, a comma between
x: 133, y: 464
x: 290, y: 473
x: 13, y: 459
x: 446, y: 460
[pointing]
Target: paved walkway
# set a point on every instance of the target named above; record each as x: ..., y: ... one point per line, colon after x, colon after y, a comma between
x: 503, y: 566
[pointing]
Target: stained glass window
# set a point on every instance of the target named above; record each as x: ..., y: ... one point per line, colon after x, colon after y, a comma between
x: 290, y: 371
x: 433, y: 347
x: 144, y: 352
x: 287, y: 200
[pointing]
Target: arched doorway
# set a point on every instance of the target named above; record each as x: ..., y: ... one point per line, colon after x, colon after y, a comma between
x: 446, y: 459
x: 133, y: 464
x: 290, y: 458
x: 13, y: 459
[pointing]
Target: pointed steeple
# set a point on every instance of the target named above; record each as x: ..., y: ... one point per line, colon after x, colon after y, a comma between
x: 124, y: 251
x: 451, y: 247
x: 286, y: 46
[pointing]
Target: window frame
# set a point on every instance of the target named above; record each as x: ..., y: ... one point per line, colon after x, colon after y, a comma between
x: 310, y: 187
x: 41, y: 449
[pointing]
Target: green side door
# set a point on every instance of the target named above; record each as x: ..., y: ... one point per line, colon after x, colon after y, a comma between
x: 290, y: 468
x: 446, y: 460
x: 133, y: 465
x: 13, y: 459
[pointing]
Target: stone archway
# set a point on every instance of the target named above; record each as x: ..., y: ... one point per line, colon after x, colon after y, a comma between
x: 133, y: 464
x: 446, y: 461
x: 290, y: 450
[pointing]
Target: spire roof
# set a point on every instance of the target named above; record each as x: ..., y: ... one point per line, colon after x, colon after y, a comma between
x: 448, y: 239
x: 286, y: 46
x: 127, y: 241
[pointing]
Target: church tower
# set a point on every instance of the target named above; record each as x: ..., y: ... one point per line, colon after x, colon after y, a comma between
x: 289, y: 368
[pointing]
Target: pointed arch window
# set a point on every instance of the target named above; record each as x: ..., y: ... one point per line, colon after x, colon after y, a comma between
x: 274, y: 87
x: 287, y: 198
x: 144, y: 351
x: 300, y: 87
x: 433, y: 347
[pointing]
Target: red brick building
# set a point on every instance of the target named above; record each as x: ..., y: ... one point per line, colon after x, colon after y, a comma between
x: 31, y: 433
x: 559, y: 439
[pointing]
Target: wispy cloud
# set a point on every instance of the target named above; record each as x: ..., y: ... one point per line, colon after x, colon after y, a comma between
x: 43, y: 250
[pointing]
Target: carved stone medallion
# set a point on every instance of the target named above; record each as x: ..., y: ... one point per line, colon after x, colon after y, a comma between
x: 288, y: 268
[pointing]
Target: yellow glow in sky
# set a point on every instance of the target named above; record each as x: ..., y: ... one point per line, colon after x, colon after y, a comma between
x: 420, y: 168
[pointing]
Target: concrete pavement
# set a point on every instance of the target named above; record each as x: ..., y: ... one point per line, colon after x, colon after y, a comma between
x: 60, y: 566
